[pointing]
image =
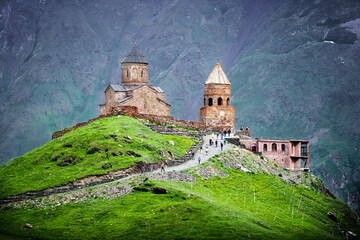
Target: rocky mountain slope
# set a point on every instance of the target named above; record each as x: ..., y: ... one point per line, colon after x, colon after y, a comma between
x: 293, y: 68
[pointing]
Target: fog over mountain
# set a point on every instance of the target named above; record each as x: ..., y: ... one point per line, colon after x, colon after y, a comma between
x: 293, y: 66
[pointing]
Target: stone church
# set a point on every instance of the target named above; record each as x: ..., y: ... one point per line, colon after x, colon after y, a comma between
x: 216, y: 114
x: 217, y: 110
x: 134, y: 89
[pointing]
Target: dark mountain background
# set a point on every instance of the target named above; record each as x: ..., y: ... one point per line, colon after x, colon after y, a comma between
x: 294, y: 68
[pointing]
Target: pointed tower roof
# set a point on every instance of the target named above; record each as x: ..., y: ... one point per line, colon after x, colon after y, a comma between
x: 217, y: 76
x: 134, y: 56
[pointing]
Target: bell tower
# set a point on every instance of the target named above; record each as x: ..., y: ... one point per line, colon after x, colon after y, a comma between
x: 134, y: 68
x: 217, y: 110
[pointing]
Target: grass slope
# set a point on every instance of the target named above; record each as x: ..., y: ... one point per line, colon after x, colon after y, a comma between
x: 104, y: 145
x: 235, y: 206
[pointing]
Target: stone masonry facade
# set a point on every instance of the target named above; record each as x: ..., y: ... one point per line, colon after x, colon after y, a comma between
x: 217, y: 110
x: 134, y: 89
x: 136, y: 98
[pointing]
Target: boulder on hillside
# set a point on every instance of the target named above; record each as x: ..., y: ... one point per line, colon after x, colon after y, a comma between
x: 68, y: 161
x: 132, y: 153
x: 28, y: 225
x: 93, y: 150
x: 332, y: 216
x: 158, y: 190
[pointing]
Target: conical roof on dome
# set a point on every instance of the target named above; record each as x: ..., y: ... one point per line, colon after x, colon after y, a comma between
x: 134, y: 56
x: 217, y: 76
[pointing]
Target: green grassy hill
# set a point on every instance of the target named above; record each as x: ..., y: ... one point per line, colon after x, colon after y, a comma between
x: 214, y: 200
x: 293, y: 67
x: 102, y: 146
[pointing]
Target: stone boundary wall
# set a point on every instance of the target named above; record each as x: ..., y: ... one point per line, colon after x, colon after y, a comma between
x: 167, y: 120
x: 61, y: 133
x: 174, y: 131
x: 132, y: 111
x: 242, y: 133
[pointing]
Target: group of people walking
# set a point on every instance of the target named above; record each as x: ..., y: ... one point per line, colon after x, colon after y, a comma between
x: 219, y: 139
x: 151, y: 168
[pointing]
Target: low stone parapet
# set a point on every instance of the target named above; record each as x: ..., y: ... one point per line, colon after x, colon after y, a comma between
x: 168, y: 121
x: 241, y: 133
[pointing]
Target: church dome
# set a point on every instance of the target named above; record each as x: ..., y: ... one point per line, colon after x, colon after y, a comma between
x: 217, y: 76
x: 134, y: 56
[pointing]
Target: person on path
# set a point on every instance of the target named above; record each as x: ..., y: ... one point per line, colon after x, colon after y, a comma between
x: 206, y: 150
x: 217, y: 136
x: 224, y: 132
x: 212, y: 136
x: 193, y: 156
x: 222, y: 136
x: 162, y: 167
x: 221, y: 145
x: 200, y: 149
x: 229, y: 131
x: 199, y: 159
x: 210, y: 141
x: 143, y: 169
x: 151, y: 167
x: 216, y: 142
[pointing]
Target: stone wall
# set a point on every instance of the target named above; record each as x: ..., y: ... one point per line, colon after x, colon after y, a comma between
x: 218, y: 116
x: 168, y: 120
x: 110, y: 97
x: 134, y: 73
x: 215, y: 91
x: 132, y: 111
x: 146, y: 100
x: 174, y: 131
x: 61, y: 133
x: 242, y: 133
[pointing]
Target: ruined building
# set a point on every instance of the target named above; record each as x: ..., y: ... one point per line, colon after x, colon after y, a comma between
x: 217, y: 110
x: 134, y: 89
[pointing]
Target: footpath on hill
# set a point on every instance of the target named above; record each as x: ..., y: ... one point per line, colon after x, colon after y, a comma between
x: 213, y: 150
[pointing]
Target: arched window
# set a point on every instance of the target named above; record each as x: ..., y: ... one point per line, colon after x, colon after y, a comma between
x: 210, y: 102
x: 219, y: 101
x: 134, y: 73
x: 274, y: 147
x: 283, y: 147
x: 228, y: 102
x: 265, y: 147
x: 142, y: 73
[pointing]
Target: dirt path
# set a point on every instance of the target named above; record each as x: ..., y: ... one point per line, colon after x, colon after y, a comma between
x: 122, y: 174
x: 203, y: 156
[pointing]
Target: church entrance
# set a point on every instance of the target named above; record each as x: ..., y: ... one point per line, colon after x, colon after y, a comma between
x: 253, y: 148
